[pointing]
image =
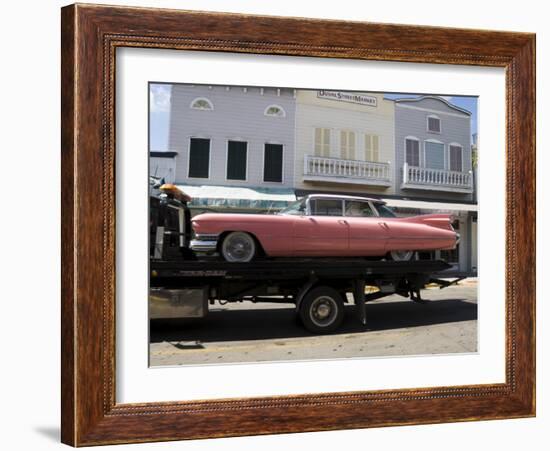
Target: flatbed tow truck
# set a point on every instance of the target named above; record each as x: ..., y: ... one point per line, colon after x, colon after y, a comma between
x: 183, y: 285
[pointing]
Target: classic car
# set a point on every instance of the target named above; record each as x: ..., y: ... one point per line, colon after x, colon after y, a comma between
x: 323, y: 226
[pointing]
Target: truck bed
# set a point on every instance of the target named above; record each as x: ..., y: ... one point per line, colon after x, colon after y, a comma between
x: 181, y: 273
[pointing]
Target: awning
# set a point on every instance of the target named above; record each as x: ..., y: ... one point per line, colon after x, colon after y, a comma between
x: 210, y: 196
x: 423, y: 205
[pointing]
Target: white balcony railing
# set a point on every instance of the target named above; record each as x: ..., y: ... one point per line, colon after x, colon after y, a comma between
x: 437, y: 179
x: 346, y: 171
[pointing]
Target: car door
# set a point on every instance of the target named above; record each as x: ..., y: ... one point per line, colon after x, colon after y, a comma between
x: 323, y: 231
x: 367, y: 232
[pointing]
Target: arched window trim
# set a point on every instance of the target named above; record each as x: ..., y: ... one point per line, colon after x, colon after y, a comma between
x: 275, y: 115
x: 210, y: 104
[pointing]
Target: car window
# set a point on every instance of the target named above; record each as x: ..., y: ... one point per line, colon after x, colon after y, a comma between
x: 358, y: 209
x: 326, y: 207
x: 385, y: 212
x: 295, y: 208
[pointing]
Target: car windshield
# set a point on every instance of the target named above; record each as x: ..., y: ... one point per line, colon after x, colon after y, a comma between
x: 295, y: 208
x: 384, y: 211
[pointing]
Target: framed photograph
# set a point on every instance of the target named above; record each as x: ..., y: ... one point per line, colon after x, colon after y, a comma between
x: 278, y: 225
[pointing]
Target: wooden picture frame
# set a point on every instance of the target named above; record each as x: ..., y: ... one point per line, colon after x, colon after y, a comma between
x: 90, y: 36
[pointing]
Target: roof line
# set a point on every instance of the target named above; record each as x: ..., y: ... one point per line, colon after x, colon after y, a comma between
x: 418, y: 99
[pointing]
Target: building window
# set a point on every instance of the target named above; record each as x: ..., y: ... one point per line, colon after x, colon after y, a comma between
x: 236, y: 160
x: 322, y: 142
x: 347, y: 145
x: 455, y: 157
x: 273, y: 163
x: 434, y: 154
x: 434, y: 124
x: 412, y: 152
x: 199, y: 158
x: 372, y: 152
x: 275, y: 111
x: 202, y: 103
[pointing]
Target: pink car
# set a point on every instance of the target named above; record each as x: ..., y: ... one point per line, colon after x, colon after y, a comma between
x: 322, y: 225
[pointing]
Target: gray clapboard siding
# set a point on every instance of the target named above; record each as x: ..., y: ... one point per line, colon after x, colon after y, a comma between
x: 237, y: 115
x: 411, y: 120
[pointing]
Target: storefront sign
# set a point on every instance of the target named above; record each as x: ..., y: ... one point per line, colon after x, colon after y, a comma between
x: 350, y: 97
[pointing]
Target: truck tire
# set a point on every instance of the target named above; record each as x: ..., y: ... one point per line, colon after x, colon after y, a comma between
x: 322, y: 310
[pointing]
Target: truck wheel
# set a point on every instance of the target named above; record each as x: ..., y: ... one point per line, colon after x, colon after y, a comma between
x: 322, y: 310
x: 238, y: 247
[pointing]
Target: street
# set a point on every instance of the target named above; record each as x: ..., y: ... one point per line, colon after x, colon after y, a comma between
x: 246, y: 332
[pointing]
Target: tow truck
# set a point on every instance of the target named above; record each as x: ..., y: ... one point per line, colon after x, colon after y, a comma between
x: 184, y: 284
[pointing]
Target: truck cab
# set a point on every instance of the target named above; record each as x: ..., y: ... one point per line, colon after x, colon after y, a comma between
x: 169, y: 224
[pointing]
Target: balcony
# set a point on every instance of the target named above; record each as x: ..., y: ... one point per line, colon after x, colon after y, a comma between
x: 335, y: 170
x: 437, y: 179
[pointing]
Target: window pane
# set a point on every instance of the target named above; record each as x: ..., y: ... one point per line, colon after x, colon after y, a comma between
x: 199, y: 157
x: 322, y: 142
x: 358, y: 209
x: 435, y: 157
x: 347, y: 145
x: 236, y: 160
x: 318, y: 146
x: 273, y: 163
x: 326, y: 142
x: 275, y: 111
x: 202, y: 104
x: 368, y: 147
x: 456, y: 158
x: 385, y: 212
x: 412, y: 152
x: 434, y: 124
x: 326, y: 207
x: 371, y: 148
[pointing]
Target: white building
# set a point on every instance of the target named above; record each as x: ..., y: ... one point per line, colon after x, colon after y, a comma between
x: 344, y: 142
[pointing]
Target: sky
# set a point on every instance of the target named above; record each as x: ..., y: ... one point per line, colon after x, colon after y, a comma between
x: 159, y: 104
x: 159, y: 116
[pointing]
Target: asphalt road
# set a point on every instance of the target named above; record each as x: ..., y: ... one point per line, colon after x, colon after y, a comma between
x: 245, y: 332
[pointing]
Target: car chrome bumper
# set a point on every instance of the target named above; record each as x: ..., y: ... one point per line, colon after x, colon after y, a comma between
x: 457, y: 238
x: 204, y: 243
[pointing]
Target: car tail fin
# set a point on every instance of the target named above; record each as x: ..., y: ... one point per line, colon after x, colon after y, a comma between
x: 441, y: 221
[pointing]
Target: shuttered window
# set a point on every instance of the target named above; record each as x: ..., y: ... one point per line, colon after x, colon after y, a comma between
x: 199, y: 158
x: 273, y: 163
x: 455, y: 158
x: 434, y: 124
x: 372, y: 152
x: 236, y: 160
x: 435, y: 155
x: 412, y: 152
x: 322, y: 142
x: 347, y: 145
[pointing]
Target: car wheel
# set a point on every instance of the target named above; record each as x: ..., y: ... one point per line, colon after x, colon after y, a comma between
x: 238, y: 247
x: 402, y: 256
x: 322, y: 310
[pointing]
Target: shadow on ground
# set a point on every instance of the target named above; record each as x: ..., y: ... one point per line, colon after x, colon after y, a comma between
x: 266, y: 323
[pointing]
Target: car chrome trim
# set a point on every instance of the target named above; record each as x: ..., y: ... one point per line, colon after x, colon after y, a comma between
x: 203, y: 246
